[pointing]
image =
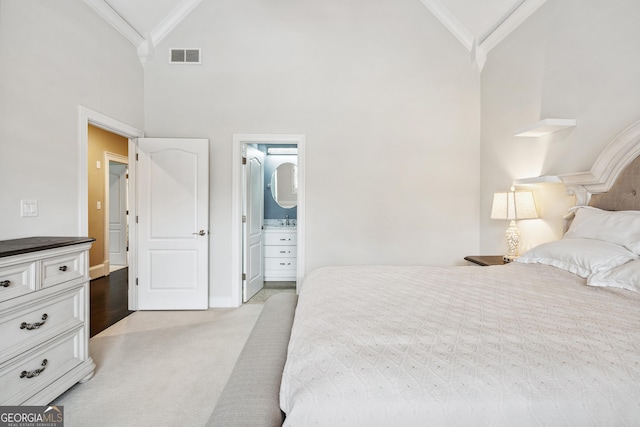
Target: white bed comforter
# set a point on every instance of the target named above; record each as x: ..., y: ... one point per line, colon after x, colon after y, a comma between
x: 511, y: 345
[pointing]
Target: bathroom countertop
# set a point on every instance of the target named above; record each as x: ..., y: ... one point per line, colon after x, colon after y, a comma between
x: 280, y: 227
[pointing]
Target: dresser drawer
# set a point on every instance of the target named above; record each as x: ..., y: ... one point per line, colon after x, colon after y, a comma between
x: 29, y: 374
x: 16, y: 280
x: 35, y: 323
x: 280, y: 251
x: 280, y: 264
x: 279, y: 238
x: 62, y: 268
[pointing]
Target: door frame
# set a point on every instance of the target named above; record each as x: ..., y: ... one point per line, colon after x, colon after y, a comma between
x: 117, y: 158
x: 236, y: 206
x: 90, y: 117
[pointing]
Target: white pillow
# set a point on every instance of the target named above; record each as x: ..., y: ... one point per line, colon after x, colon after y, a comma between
x: 619, y: 227
x: 626, y: 276
x: 580, y: 256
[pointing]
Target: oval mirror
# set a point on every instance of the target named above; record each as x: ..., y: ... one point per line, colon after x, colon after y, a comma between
x: 284, y: 185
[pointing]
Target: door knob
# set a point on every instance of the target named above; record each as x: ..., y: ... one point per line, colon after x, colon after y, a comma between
x: 201, y: 233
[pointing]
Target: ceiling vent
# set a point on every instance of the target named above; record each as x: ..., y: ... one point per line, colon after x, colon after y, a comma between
x: 184, y: 56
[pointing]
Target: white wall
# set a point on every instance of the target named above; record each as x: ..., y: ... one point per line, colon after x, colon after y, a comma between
x: 385, y: 95
x: 572, y: 59
x: 387, y: 100
x: 56, y: 55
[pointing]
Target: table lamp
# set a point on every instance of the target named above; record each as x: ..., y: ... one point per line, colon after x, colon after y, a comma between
x: 513, y: 205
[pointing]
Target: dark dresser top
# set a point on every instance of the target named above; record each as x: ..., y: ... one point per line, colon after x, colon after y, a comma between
x: 33, y: 244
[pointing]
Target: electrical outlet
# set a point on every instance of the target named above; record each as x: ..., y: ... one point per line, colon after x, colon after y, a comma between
x: 98, y: 205
x: 28, y: 208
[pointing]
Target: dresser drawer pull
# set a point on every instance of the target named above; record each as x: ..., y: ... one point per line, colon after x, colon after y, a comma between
x: 63, y: 268
x: 285, y: 263
x: 285, y: 240
x: 36, y: 372
x: 30, y: 326
x: 5, y: 283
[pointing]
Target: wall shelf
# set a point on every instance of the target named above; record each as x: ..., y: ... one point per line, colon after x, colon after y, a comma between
x: 537, y: 180
x: 545, y: 127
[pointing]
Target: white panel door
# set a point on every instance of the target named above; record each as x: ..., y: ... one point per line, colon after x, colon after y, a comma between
x: 117, y: 213
x: 253, y: 253
x: 173, y: 223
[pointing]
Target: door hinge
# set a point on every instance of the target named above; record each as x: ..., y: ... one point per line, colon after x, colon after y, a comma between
x: 244, y: 160
x: 136, y: 281
x: 244, y: 219
x: 244, y: 276
x: 136, y: 156
x: 136, y: 219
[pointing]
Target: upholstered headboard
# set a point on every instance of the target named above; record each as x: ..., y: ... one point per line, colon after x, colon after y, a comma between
x: 624, y: 195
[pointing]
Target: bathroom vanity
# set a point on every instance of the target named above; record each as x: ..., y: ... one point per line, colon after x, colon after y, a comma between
x: 280, y: 253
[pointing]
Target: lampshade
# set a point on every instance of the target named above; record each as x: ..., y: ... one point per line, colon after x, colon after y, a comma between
x: 514, y: 205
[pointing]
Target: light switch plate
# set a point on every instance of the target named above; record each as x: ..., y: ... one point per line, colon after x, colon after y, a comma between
x: 28, y: 208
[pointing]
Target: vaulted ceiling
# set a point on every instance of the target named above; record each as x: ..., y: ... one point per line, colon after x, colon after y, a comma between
x: 478, y: 25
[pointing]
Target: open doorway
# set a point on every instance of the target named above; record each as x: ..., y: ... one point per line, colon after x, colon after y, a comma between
x: 89, y: 117
x: 241, y: 142
x: 107, y: 163
x: 117, y: 212
x: 279, y: 201
x: 107, y: 209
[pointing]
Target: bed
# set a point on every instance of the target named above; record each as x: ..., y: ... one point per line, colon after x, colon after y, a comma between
x: 553, y: 339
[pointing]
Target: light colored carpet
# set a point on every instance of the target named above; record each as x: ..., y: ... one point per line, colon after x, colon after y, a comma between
x: 160, y: 368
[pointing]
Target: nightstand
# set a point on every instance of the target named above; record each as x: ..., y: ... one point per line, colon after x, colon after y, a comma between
x: 485, y: 260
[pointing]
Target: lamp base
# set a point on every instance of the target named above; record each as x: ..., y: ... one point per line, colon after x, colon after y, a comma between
x: 513, y: 239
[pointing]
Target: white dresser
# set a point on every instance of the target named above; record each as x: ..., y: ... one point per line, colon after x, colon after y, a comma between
x: 280, y: 254
x: 44, y: 318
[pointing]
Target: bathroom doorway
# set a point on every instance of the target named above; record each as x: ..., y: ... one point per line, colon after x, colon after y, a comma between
x: 283, y: 232
x: 274, y: 196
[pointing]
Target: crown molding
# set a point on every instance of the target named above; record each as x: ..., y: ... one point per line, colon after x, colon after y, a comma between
x: 510, y: 22
x: 170, y: 21
x: 479, y: 48
x: 451, y: 23
x: 145, y: 45
x: 478, y: 56
x: 112, y: 17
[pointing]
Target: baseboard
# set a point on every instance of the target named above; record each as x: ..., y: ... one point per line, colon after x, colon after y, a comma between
x: 99, y: 270
x: 227, y: 302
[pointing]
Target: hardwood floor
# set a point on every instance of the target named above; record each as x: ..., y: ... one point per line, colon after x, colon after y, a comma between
x: 108, y: 299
